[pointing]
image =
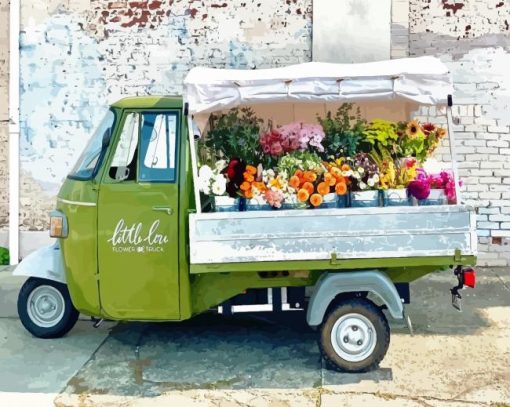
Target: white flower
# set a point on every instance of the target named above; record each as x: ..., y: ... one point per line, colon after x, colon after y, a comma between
x: 370, y: 182
x: 376, y: 178
x: 204, y: 187
x: 362, y: 185
x: 270, y: 173
x: 205, y: 172
x: 220, y: 180
x: 356, y: 175
x: 220, y: 165
x: 218, y: 188
x: 349, y: 173
x: 361, y: 170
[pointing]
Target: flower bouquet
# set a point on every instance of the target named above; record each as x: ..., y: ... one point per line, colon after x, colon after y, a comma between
x: 364, y: 181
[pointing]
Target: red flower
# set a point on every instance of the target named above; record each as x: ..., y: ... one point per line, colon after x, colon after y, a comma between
x: 427, y: 128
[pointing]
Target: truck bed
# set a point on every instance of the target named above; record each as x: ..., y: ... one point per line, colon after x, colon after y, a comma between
x: 332, y: 234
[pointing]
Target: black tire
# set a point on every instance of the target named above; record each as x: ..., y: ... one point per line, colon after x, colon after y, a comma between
x: 65, y: 313
x: 369, y: 359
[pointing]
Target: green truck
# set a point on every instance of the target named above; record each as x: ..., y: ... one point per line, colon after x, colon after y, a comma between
x: 133, y: 243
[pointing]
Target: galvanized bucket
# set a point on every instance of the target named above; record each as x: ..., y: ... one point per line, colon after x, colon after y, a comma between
x: 365, y: 199
x: 396, y: 197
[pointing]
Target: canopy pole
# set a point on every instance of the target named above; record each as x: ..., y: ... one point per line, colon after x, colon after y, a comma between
x: 194, y: 164
x: 449, y: 120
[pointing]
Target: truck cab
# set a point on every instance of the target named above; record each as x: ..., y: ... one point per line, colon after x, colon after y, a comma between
x: 128, y: 190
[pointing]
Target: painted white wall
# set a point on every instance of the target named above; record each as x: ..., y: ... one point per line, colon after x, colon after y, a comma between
x: 351, y: 30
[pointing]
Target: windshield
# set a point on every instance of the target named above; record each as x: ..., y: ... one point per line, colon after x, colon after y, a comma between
x: 87, y: 164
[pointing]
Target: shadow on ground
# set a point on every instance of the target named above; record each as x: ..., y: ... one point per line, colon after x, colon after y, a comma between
x: 262, y: 351
x: 210, y: 352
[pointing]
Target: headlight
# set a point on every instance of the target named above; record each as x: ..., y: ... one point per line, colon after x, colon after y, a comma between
x: 58, y: 224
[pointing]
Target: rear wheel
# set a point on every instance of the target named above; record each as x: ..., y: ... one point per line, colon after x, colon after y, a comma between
x: 354, y: 336
x: 45, y: 308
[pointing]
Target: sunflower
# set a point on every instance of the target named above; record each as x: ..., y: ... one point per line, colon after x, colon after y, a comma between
x: 413, y: 128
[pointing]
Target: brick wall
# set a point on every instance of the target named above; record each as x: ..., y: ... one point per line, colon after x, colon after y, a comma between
x: 77, y: 57
x: 473, y: 39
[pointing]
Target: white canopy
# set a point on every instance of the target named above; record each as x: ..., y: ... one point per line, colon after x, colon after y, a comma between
x: 423, y: 80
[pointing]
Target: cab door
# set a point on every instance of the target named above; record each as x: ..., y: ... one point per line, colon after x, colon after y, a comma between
x: 138, y: 219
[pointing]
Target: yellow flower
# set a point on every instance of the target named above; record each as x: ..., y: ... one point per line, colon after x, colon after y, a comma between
x: 413, y: 128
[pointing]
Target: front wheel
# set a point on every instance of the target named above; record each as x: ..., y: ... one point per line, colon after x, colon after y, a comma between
x: 45, y: 308
x: 354, y: 336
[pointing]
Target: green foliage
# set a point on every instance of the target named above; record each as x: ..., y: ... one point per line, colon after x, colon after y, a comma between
x: 380, y: 133
x: 4, y: 256
x: 342, y: 138
x: 302, y: 160
x: 234, y: 134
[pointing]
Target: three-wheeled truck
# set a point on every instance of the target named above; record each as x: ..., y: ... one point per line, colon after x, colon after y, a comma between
x: 134, y: 243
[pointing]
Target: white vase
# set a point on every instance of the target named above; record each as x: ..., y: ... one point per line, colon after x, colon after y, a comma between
x: 363, y: 199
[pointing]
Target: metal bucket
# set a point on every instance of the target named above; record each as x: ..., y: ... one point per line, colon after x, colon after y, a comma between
x: 396, y: 197
x: 365, y: 199
x: 226, y: 204
x: 436, y: 197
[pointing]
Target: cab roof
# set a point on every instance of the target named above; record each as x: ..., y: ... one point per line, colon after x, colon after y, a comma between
x: 149, y: 102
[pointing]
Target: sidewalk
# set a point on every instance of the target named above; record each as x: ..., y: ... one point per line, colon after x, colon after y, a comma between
x: 455, y: 359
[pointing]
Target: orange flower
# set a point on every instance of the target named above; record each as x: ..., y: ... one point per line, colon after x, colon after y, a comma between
x: 259, y: 185
x: 345, y: 167
x: 308, y: 186
x: 303, y: 195
x: 250, y: 169
x: 294, y: 182
x: 341, y: 188
x: 341, y: 180
x: 248, y: 194
x: 245, y: 186
x: 299, y: 174
x: 316, y: 200
x: 323, y: 188
x: 336, y: 172
x: 310, y: 176
x: 248, y: 177
x: 329, y: 179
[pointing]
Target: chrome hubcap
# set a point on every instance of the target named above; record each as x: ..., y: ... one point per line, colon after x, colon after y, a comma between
x: 353, y: 337
x: 45, y: 306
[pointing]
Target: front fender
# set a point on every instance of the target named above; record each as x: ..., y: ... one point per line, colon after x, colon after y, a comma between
x: 45, y: 262
x: 332, y: 284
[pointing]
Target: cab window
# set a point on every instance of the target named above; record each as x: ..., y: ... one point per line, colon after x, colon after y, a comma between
x: 123, y: 167
x: 158, y: 137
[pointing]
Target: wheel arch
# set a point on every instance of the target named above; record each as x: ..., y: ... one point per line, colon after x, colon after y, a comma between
x: 331, y: 286
x: 45, y: 263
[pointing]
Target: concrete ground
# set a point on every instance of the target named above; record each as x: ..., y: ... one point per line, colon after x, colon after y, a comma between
x: 454, y: 359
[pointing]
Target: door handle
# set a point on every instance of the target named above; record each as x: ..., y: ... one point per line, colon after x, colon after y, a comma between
x: 166, y: 209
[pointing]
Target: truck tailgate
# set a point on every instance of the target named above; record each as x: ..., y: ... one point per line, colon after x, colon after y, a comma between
x: 320, y: 234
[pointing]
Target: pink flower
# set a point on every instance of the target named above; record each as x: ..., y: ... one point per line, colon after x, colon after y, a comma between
x: 274, y: 198
x: 419, y: 188
x: 276, y: 149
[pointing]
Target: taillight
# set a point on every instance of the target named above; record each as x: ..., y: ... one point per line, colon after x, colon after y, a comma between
x: 469, y: 275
